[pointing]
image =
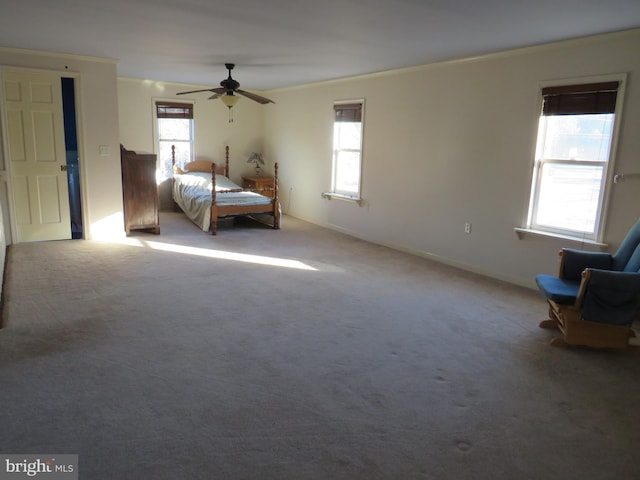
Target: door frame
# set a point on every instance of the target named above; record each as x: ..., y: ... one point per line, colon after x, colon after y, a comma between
x: 5, y: 142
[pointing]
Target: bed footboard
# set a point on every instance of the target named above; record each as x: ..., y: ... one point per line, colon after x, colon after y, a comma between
x: 218, y: 211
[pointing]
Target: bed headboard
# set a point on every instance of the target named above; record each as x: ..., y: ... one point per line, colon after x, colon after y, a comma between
x: 200, y: 165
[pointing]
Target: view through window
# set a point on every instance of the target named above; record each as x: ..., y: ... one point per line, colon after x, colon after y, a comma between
x: 175, y: 127
x: 347, y: 148
x: 575, y: 136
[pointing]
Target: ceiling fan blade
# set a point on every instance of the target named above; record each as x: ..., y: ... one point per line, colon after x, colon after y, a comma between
x: 214, y: 96
x: 195, y: 91
x: 254, y: 97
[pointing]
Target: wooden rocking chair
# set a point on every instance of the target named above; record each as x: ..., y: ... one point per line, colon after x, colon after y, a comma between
x: 596, y: 296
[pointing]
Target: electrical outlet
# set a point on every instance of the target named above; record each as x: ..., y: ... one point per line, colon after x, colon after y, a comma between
x: 467, y: 227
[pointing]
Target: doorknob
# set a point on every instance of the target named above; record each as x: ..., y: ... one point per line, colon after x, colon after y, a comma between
x: 63, y: 168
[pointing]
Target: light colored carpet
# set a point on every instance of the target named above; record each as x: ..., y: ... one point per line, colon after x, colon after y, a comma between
x: 176, y: 358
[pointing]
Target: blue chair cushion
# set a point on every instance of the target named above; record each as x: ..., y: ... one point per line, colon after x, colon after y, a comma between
x: 575, y: 261
x: 627, y: 258
x: 612, y: 297
x: 559, y: 290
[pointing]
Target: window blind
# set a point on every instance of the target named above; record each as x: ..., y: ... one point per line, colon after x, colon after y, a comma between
x: 174, y: 110
x: 348, y: 112
x: 586, y: 99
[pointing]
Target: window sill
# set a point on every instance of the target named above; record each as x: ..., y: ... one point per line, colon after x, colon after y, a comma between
x: 522, y: 232
x: 341, y: 196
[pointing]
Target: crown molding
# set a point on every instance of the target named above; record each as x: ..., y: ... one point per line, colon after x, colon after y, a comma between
x: 68, y: 56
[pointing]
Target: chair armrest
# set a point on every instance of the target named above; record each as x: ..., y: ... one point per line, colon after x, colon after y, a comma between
x: 614, y: 280
x: 609, y: 296
x: 573, y: 262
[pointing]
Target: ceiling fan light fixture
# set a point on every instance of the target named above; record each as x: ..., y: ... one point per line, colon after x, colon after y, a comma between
x: 229, y: 99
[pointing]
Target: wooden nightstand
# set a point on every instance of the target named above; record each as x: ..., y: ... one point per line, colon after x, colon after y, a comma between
x: 263, y: 184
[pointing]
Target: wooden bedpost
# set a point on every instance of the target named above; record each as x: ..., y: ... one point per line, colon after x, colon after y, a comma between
x: 226, y: 164
x: 173, y: 179
x: 214, y: 207
x: 276, y: 201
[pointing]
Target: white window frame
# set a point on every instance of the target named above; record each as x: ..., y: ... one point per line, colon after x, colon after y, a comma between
x: 156, y: 134
x: 608, y: 166
x: 336, y: 192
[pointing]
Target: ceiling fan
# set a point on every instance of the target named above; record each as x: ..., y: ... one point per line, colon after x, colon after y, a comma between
x: 229, y: 90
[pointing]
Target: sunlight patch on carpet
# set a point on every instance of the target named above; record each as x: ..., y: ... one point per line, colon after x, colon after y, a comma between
x: 222, y: 255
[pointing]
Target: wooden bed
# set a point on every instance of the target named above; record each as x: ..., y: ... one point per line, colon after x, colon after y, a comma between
x: 222, y: 197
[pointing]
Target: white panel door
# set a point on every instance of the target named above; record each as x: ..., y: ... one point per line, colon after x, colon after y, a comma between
x: 35, y: 126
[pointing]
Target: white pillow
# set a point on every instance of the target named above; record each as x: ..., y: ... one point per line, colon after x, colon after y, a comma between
x: 223, y: 183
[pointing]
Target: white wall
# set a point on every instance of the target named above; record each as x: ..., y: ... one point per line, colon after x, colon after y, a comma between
x: 5, y: 232
x: 97, y: 125
x: 3, y: 240
x: 136, y: 100
x: 448, y: 144
x: 444, y: 145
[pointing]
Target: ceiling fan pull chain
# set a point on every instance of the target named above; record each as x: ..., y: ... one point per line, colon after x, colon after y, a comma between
x: 230, y: 115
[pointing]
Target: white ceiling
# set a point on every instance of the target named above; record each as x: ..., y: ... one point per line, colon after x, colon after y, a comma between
x: 280, y: 43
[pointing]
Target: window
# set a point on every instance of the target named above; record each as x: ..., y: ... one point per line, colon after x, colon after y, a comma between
x: 175, y: 127
x: 573, y: 159
x: 347, y: 149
